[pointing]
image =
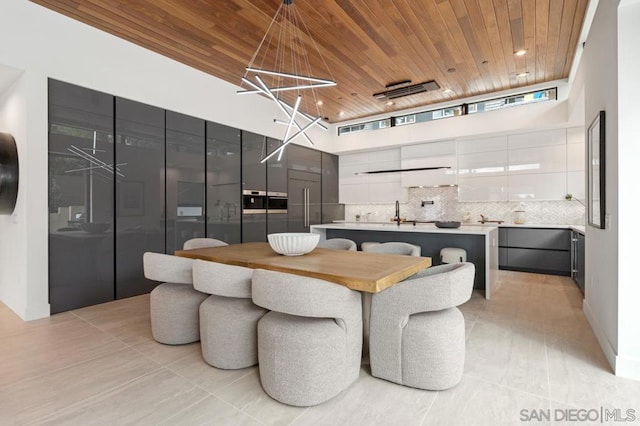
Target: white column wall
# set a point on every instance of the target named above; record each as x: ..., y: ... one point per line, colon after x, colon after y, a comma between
x: 628, y: 362
x: 601, y: 93
x: 46, y: 44
x: 13, y: 229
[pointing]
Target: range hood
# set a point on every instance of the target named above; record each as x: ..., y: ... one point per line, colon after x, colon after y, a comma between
x: 414, y: 169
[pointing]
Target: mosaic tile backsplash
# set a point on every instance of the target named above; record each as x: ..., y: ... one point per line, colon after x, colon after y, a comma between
x: 446, y: 207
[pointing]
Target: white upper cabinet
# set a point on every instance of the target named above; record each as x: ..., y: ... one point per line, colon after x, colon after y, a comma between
x: 539, y: 186
x: 576, y: 162
x: 482, y: 188
x: 470, y: 146
x: 543, y: 159
x: 370, y: 188
x: 482, y: 169
x: 535, y: 139
x: 435, y: 154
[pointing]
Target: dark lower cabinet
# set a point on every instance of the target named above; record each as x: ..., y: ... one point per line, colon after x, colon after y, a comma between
x: 578, y: 260
x: 540, y: 250
x: 254, y: 228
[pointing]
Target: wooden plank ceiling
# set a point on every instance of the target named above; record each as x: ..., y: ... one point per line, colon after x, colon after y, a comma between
x: 466, y: 46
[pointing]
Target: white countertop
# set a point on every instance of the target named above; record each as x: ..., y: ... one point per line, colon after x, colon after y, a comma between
x: 408, y: 227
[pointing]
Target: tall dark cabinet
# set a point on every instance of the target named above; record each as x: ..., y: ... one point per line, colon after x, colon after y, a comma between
x: 304, y: 182
x: 277, y: 218
x: 224, y: 184
x: 185, y: 179
x: 81, y: 158
x: 331, y: 209
x: 140, y: 192
x: 126, y: 178
x: 254, y: 173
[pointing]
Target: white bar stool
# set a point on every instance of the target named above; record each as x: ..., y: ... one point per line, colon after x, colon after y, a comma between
x: 453, y: 255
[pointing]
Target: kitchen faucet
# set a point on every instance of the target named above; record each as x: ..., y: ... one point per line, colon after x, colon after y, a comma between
x: 398, y: 212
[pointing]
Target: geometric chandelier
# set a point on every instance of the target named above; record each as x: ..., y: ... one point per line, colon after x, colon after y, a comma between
x: 281, y: 71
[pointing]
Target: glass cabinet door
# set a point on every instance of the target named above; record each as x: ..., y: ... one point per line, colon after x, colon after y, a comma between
x: 224, y: 199
x: 140, y: 192
x: 185, y: 180
x: 81, y: 169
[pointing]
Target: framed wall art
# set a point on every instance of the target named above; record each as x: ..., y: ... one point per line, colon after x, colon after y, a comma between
x: 596, y: 172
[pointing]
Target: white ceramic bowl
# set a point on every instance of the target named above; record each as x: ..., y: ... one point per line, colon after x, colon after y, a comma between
x: 293, y: 243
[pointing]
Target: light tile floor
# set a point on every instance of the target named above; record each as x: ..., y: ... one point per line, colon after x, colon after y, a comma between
x: 528, y: 348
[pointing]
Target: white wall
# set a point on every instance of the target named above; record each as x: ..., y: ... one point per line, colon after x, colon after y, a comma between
x: 13, y: 254
x: 600, y: 59
x: 628, y: 362
x: 46, y: 44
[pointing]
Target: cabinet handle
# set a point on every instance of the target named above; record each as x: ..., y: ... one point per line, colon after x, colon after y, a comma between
x: 304, y: 210
x: 308, y: 210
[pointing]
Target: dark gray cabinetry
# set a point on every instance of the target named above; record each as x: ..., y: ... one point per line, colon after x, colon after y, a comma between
x: 253, y: 172
x: 304, y: 200
x: 140, y: 192
x: 185, y: 179
x: 276, y: 170
x: 224, y: 183
x: 541, y: 250
x: 577, y: 259
x: 331, y: 209
x: 277, y: 187
x: 81, y: 157
x: 254, y: 178
x: 304, y: 159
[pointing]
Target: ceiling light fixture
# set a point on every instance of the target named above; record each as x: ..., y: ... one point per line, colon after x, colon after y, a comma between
x: 522, y: 74
x: 520, y: 52
x: 447, y: 91
x: 281, y: 70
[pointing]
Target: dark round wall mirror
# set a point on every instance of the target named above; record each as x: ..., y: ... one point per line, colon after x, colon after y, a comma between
x: 8, y: 173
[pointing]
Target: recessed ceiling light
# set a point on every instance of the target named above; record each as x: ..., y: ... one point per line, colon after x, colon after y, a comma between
x: 341, y: 113
x: 319, y: 103
x: 389, y: 103
x: 520, y: 52
x: 522, y: 74
x: 447, y: 91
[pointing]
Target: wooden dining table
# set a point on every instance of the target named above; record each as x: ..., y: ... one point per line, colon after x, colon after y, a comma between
x: 363, y: 271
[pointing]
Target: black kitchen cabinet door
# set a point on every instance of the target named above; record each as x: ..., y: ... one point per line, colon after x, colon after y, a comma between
x: 277, y: 221
x: 224, y: 183
x: 254, y: 173
x: 185, y: 182
x: 331, y: 209
x: 304, y: 200
x: 140, y: 192
x: 580, y: 262
x: 304, y: 159
x: 276, y: 170
x: 81, y: 158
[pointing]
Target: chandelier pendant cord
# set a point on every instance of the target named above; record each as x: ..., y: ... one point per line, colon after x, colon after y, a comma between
x: 282, y: 86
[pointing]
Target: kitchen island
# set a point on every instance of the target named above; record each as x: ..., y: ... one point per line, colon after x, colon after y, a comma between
x: 480, y: 242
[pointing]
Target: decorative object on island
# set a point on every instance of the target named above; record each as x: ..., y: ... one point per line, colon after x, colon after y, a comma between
x: 293, y: 243
x: 596, y: 171
x: 9, y: 171
x: 283, y: 48
x: 448, y: 224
